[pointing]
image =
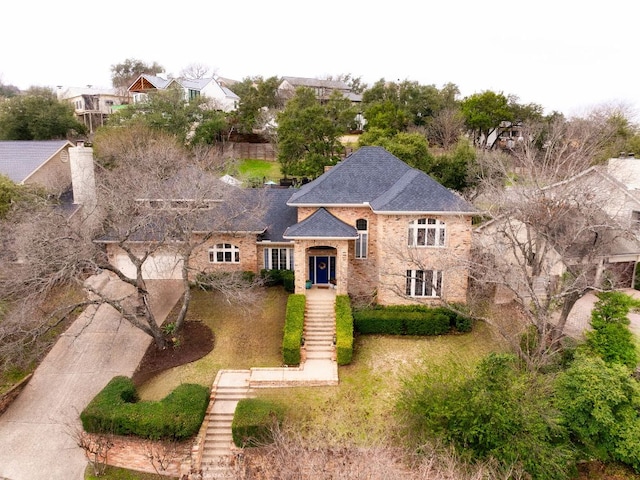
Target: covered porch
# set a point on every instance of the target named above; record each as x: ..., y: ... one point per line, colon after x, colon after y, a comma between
x: 321, y: 252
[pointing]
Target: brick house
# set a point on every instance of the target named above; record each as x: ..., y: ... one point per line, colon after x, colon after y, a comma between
x: 371, y: 226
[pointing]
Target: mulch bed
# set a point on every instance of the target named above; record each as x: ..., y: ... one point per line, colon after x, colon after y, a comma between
x: 194, y: 341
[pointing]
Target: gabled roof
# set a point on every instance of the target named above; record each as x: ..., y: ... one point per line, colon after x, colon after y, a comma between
x: 371, y: 176
x: 321, y: 224
x: 19, y: 159
x: 148, y: 82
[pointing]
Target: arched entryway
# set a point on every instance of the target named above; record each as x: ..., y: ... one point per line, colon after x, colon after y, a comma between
x: 321, y: 265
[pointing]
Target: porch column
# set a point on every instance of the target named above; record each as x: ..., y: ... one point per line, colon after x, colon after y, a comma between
x: 342, y: 268
x: 300, y: 265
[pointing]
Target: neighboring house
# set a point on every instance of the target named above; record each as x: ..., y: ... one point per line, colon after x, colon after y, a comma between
x: 371, y: 226
x: 60, y: 167
x: 611, y: 242
x: 220, y: 95
x: 92, y: 105
x: 323, y: 90
x: 37, y: 162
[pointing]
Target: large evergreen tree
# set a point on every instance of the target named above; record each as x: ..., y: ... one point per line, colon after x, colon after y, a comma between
x: 309, y: 132
x: 38, y: 115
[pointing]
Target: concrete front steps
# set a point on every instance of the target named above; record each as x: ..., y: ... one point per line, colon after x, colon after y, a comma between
x: 214, y: 452
x: 319, y: 325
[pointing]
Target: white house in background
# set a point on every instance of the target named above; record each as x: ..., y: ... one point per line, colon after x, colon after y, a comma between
x: 221, y: 96
x: 92, y: 105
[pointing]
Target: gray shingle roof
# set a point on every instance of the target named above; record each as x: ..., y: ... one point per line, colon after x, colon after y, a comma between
x: 20, y: 158
x: 321, y: 224
x: 373, y: 176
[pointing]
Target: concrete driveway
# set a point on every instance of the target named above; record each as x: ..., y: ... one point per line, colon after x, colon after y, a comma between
x: 35, y: 440
x: 580, y: 315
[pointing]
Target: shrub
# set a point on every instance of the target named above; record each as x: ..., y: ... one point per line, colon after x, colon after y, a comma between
x: 344, y: 330
x: 611, y: 338
x: 116, y: 410
x: 253, y: 422
x: 410, y: 320
x: 600, y: 403
x: 497, y: 411
x: 285, y: 278
x: 293, y: 328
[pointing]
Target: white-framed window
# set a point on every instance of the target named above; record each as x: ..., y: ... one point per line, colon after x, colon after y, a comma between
x: 426, y: 232
x: 224, y: 253
x: 362, y: 225
x: 278, y: 258
x: 424, y: 283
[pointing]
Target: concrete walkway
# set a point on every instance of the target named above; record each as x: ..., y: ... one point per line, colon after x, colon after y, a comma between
x: 580, y: 315
x: 35, y: 440
x: 213, y: 449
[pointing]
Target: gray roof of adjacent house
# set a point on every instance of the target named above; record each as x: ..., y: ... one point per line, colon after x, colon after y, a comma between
x: 371, y: 176
x: 321, y: 224
x: 19, y: 159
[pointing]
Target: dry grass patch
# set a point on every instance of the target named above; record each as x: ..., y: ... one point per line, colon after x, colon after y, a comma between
x: 245, y: 336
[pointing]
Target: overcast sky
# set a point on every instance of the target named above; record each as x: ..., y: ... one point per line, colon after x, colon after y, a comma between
x: 566, y: 55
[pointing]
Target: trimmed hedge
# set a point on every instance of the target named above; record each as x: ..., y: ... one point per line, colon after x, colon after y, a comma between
x: 410, y: 320
x: 253, y: 420
x: 344, y: 330
x: 285, y: 278
x: 116, y: 410
x: 293, y: 328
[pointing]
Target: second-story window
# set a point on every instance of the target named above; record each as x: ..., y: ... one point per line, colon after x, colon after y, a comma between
x: 426, y: 232
x: 224, y: 253
x: 363, y: 238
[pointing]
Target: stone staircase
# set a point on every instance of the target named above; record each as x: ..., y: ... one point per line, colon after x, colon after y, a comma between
x: 215, y: 454
x: 217, y: 458
x: 319, y: 325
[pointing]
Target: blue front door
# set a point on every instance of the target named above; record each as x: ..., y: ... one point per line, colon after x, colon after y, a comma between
x: 321, y: 269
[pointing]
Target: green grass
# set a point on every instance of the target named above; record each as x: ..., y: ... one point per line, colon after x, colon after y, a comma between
x: 114, y: 473
x: 245, y: 336
x: 258, y: 169
x: 361, y: 410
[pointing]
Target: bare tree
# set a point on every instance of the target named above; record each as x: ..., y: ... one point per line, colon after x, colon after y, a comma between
x: 197, y: 70
x: 446, y: 127
x: 549, y: 236
x: 290, y: 457
x: 156, y: 201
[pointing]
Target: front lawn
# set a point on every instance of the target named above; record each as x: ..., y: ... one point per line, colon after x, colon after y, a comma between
x: 245, y: 336
x: 360, y: 410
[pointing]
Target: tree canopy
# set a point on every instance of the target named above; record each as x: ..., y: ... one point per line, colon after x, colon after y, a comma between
x: 258, y: 101
x: 38, y: 115
x: 309, y: 132
x: 394, y: 107
x: 193, y: 122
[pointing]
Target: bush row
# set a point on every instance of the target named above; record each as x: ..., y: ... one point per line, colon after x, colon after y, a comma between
x: 410, y: 320
x: 116, y: 410
x: 279, y: 277
x: 293, y: 327
x: 344, y: 330
x: 253, y: 422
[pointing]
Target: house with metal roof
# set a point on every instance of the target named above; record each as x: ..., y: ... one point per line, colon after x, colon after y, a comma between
x: 33, y: 162
x: 217, y: 92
